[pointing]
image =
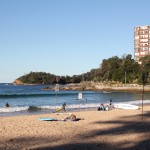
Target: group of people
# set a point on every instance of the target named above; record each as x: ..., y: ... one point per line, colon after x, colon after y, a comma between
x: 105, y: 107
x: 102, y: 106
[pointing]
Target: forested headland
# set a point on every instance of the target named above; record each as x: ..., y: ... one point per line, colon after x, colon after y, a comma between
x: 114, y: 69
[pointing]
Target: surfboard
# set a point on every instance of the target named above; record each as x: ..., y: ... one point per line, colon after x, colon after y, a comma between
x: 80, y: 96
x: 48, y: 119
x: 58, y: 109
x: 126, y: 106
x: 106, y: 91
x: 51, y: 119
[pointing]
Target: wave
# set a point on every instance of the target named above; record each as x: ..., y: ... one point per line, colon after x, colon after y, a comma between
x: 13, y: 109
x: 69, y: 107
x: 40, y: 108
x: 34, y: 95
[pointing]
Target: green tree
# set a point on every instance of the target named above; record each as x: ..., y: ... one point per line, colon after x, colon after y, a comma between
x: 145, y: 67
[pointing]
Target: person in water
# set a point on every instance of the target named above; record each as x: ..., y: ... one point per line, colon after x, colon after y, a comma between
x: 7, y: 105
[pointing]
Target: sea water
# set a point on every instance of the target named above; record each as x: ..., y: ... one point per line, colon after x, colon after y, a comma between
x: 31, y: 99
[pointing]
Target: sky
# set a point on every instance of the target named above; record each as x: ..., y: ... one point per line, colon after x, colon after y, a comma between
x: 66, y: 37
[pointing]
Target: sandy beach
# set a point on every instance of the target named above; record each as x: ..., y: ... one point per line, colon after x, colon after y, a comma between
x: 116, y: 129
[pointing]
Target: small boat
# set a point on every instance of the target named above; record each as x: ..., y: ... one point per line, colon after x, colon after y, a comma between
x: 106, y: 91
x: 80, y: 96
x: 126, y: 106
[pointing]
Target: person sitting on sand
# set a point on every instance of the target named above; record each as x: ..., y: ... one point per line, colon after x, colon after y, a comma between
x: 102, y: 107
x: 7, y: 105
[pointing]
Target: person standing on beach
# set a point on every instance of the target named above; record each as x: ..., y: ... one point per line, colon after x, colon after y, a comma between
x: 110, y: 102
x: 64, y: 106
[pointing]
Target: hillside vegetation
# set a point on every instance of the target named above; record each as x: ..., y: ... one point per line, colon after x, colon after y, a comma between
x: 114, y: 69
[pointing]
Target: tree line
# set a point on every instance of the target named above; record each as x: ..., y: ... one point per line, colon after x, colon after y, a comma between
x: 122, y: 70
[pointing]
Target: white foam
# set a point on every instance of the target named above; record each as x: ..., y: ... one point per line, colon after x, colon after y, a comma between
x: 137, y: 102
x: 71, y: 106
x: 13, y: 109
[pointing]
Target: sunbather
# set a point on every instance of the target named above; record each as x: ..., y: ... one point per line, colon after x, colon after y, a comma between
x: 72, y: 117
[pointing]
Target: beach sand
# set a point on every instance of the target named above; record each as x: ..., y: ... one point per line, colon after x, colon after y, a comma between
x: 116, y: 129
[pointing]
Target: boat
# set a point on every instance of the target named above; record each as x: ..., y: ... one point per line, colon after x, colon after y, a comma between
x: 126, y: 106
x: 106, y: 91
x: 80, y: 96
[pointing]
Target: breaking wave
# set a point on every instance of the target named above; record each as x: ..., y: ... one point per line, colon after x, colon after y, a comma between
x: 69, y: 107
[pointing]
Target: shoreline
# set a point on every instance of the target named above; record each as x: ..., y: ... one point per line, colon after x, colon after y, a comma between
x: 116, y: 129
x: 97, y: 86
x: 83, y: 86
x: 68, y: 110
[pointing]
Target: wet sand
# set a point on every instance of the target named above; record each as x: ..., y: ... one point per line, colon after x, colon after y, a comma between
x: 116, y: 129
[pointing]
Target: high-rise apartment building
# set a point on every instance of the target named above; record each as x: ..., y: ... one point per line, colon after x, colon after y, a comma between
x: 141, y: 42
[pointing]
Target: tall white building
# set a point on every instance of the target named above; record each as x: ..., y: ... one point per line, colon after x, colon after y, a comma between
x: 141, y: 42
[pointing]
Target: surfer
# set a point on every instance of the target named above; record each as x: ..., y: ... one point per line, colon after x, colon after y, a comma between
x: 64, y: 106
x: 7, y: 105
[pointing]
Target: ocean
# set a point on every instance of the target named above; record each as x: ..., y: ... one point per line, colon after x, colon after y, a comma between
x: 32, y: 99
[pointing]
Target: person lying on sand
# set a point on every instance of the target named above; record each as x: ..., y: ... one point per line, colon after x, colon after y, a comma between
x: 72, y: 117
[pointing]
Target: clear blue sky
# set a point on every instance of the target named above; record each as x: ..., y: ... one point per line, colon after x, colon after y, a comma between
x: 65, y: 37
